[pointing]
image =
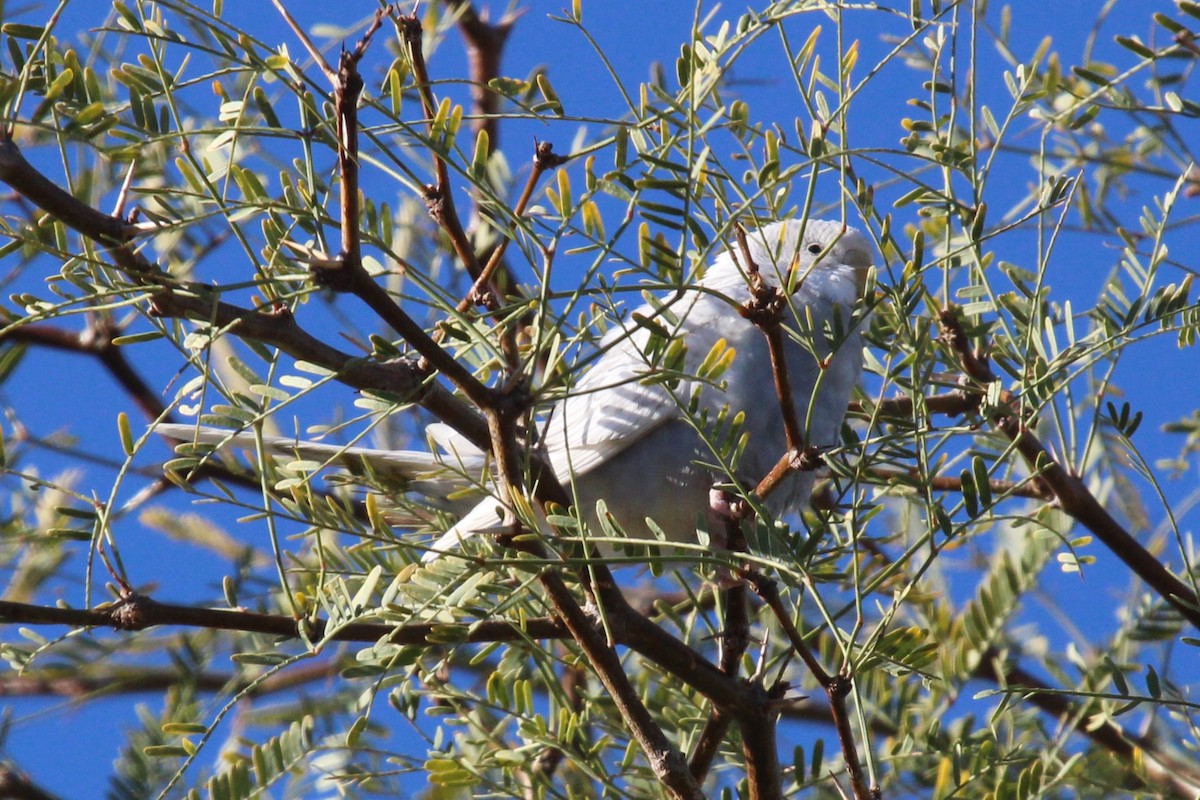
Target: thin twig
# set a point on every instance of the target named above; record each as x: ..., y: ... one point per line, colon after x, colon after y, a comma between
x: 313, y: 51
x: 946, y: 483
x: 481, y: 292
x: 485, y: 48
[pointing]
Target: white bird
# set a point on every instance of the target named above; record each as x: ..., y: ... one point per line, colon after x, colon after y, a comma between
x: 643, y: 444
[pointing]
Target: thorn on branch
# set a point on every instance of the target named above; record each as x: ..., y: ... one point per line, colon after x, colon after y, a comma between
x: 280, y: 310
x: 483, y: 297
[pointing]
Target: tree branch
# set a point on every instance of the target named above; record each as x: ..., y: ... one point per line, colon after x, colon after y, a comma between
x: 1069, y: 491
x: 439, y: 198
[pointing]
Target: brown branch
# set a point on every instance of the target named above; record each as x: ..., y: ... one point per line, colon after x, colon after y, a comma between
x: 765, y: 310
x: 789, y: 462
x: 276, y: 327
x: 945, y: 483
x: 625, y: 626
x: 837, y: 687
x: 348, y: 88
x: 137, y: 612
x: 35, y: 187
x: 667, y: 762
x: 439, y: 198
x: 1070, y: 493
x: 733, y: 639
x: 837, y: 690
x: 346, y: 273
x: 760, y: 748
x: 481, y: 292
x: 485, y: 48
x: 767, y: 589
x: 1076, y: 500
x: 950, y: 403
x: 629, y: 628
x: 15, y: 785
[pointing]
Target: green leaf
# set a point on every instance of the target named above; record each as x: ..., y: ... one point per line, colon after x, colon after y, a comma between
x: 125, y: 431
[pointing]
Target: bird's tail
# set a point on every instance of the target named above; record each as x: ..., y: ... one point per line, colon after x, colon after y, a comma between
x: 439, y: 476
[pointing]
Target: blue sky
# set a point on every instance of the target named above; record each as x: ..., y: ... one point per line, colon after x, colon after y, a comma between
x: 634, y: 35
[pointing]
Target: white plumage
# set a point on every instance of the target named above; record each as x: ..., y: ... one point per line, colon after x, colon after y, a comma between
x: 622, y: 436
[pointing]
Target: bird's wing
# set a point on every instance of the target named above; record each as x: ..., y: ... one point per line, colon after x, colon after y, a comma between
x: 452, y: 442
x: 619, y: 400
x: 614, y: 405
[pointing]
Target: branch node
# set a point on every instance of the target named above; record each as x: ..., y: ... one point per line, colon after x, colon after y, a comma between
x: 336, y: 277
x: 545, y: 158
x: 807, y: 460
x: 765, y: 306
x: 130, y: 614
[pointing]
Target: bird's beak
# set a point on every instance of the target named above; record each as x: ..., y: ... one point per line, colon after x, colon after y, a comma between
x: 862, y: 262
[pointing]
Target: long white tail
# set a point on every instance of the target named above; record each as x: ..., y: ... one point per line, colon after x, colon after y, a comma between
x: 434, y: 475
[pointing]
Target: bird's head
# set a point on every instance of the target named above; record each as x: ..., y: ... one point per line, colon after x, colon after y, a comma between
x: 800, y: 249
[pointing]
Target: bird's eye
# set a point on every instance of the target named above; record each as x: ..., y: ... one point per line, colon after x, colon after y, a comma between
x: 815, y: 248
